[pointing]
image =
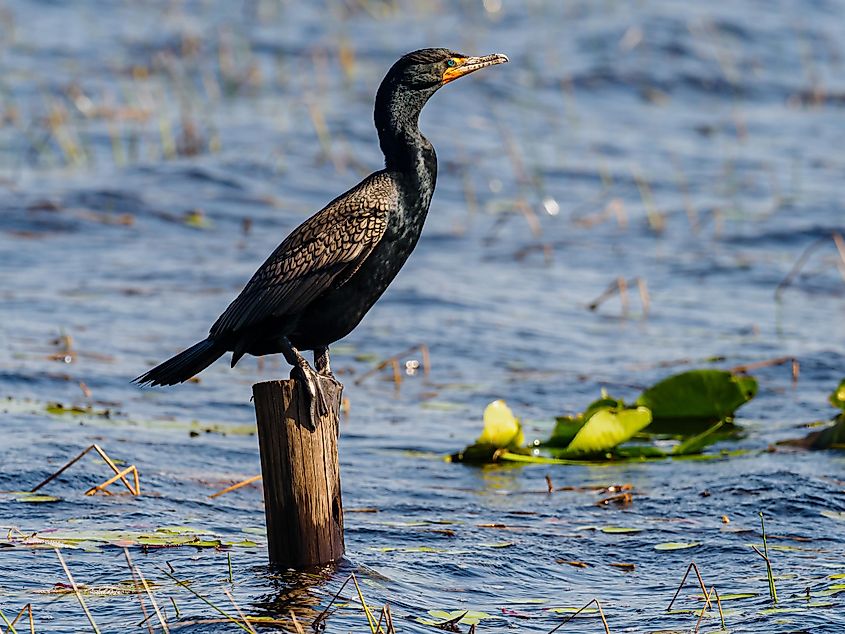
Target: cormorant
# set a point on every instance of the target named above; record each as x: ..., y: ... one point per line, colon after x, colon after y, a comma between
x: 323, y: 278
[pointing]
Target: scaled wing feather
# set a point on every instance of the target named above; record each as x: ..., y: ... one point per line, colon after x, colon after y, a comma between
x: 322, y: 252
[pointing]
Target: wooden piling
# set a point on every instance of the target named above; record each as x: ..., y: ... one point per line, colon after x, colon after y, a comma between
x: 301, y: 476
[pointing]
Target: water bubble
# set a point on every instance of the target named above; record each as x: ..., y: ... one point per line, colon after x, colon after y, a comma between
x: 492, y: 6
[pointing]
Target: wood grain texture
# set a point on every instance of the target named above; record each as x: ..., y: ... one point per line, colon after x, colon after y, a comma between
x: 301, y: 476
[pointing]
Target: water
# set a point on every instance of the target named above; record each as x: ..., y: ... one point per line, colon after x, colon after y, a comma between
x: 721, y: 123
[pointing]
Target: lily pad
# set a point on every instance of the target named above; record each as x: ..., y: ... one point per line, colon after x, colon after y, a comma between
x: 676, y: 545
x: 698, y: 396
x: 835, y: 515
x: 567, y: 427
x: 36, y: 498
x: 621, y: 530
x: 607, y: 428
x: 467, y: 617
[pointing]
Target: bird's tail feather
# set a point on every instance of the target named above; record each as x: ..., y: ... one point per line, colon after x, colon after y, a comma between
x: 184, y: 365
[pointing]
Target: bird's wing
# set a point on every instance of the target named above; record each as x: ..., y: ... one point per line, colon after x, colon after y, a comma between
x: 324, y: 250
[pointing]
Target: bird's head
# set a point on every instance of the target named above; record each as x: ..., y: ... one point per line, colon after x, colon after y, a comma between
x: 407, y: 87
x: 428, y: 69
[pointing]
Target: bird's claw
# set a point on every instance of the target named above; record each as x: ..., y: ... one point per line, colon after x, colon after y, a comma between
x: 315, y: 397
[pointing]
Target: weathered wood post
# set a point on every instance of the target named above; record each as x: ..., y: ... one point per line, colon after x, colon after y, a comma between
x: 301, y: 476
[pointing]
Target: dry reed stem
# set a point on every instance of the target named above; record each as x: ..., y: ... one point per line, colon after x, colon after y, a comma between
x: 840, y: 248
x: 150, y: 595
x: 76, y: 591
x: 241, y: 614
x: 107, y: 460
x: 322, y: 615
x: 296, y: 624
x: 147, y: 616
x: 656, y: 220
x: 719, y: 605
x: 703, y: 610
x: 397, y: 373
x: 693, y: 567
x: 27, y: 608
x: 795, y: 366
x: 236, y: 486
x: 645, y: 299
x: 620, y: 285
x: 838, y: 242
x: 581, y: 609
x: 101, y: 488
x: 387, y: 618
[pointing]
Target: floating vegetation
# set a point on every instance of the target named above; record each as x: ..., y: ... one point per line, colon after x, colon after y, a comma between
x: 447, y: 620
x: 90, y: 414
x: 695, y: 408
x: 832, y: 436
x: 95, y: 539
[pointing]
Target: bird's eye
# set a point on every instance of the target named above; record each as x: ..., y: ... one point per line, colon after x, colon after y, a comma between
x: 451, y: 63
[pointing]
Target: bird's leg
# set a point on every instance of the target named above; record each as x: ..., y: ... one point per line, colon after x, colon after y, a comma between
x: 322, y: 361
x: 324, y: 369
x: 323, y: 365
x: 310, y: 381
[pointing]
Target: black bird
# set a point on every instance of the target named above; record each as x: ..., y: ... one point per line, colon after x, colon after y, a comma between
x: 323, y: 278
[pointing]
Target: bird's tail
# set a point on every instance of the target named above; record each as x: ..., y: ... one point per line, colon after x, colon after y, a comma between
x: 184, y: 365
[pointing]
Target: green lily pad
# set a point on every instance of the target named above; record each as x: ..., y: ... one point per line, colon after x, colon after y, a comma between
x: 698, y: 396
x: 623, y: 530
x: 468, y: 617
x: 676, y: 545
x: 36, y: 498
x: 567, y: 427
x: 737, y: 596
x: 607, y: 428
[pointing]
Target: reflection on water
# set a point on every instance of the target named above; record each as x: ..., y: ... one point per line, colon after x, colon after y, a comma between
x: 153, y: 154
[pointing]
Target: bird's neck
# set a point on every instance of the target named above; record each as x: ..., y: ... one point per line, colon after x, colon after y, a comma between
x: 405, y: 148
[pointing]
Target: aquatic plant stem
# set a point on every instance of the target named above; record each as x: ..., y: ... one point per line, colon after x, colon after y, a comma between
x: 581, y: 609
x: 140, y: 597
x: 28, y: 609
x: 8, y: 624
x: 773, y: 593
x: 693, y: 567
x: 238, y: 610
x: 76, y: 591
x: 152, y: 600
x: 236, y: 486
x: 374, y: 628
x: 322, y: 615
x: 184, y: 584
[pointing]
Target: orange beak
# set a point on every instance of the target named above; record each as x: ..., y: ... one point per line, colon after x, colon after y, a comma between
x: 467, y: 65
